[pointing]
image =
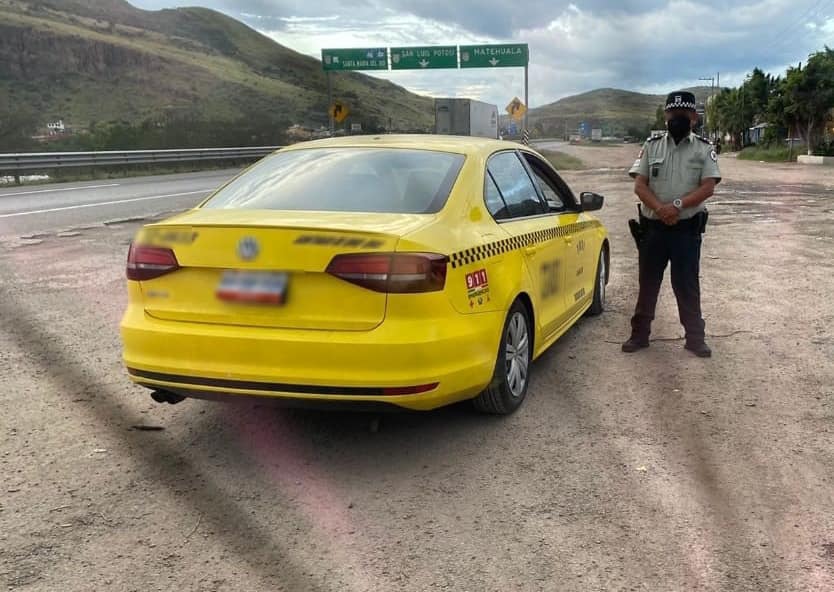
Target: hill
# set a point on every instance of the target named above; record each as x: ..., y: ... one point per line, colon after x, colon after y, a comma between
x: 87, y: 61
x: 615, y: 111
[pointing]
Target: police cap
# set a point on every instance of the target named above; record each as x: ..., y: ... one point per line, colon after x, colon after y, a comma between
x: 680, y: 99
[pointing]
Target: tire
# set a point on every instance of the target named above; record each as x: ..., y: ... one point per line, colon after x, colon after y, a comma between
x: 511, y: 376
x: 601, y: 279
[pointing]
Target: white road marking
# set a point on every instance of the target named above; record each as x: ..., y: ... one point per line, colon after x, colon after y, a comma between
x: 56, y: 190
x: 105, y: 203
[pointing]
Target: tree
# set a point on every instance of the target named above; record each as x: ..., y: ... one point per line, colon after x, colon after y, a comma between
x: 756, y: 90
x: 808, y: 96
x: 731, y: 115
x: 659, y: 118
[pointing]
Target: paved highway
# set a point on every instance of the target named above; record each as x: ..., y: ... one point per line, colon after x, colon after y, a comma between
x: 38, y: 209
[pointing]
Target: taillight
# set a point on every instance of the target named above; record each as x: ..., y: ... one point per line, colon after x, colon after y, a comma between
x: 145, y: 263
x: 395, y: 273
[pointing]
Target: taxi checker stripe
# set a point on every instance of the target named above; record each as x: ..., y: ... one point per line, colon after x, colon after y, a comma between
x: 486, y: 251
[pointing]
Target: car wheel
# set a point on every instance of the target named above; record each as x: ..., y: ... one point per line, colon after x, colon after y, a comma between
x: 512, y: 368
x: 598, y: 303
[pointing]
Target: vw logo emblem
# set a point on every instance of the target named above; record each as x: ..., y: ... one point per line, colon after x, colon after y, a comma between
x: 247, y: 248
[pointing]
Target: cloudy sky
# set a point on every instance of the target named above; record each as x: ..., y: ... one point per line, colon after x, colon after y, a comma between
x: 643, y: 45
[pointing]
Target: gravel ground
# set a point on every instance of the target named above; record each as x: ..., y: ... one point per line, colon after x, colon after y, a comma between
x: 657, y: 471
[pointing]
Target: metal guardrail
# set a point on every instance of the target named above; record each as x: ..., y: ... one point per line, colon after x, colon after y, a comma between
x: 41, y: 161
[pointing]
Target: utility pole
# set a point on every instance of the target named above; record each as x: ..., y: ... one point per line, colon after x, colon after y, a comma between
x: 708, y: 123
x: 718, y: 89
x: 744, y: 125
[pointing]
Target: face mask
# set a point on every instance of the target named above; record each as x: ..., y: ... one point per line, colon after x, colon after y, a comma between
x: 679, y: 127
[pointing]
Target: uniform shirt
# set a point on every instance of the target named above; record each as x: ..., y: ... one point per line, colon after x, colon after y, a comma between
x: 675, y: 170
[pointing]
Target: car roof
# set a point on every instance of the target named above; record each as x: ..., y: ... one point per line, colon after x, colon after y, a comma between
x: 457, y: 144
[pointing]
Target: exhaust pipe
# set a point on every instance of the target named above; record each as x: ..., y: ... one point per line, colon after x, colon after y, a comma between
x: 166, y: 397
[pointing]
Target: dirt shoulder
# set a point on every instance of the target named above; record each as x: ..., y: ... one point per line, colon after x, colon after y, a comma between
x: 656, y: 471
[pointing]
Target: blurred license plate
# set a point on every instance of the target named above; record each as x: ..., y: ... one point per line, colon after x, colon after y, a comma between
x: 263, y: 287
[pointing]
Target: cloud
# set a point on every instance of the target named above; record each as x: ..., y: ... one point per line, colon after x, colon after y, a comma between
x: 646, y: 45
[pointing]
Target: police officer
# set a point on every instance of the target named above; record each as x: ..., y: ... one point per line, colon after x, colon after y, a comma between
x: 674, y: 175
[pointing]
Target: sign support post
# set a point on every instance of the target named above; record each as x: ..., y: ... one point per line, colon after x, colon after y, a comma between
x: 526, y: 98
x: 330, y: 102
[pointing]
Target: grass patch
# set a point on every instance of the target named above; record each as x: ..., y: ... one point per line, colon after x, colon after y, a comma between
x: 562, y: 161
x: 772, y: 153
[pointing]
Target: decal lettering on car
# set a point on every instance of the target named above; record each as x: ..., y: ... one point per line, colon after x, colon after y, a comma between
x: 171, y: 237
x: 340, y: 241
x: 477, y: 287
x: 550, y: 278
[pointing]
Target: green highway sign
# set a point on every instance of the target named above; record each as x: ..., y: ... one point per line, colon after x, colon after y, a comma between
x: 424, y: 58
x: 494, y: 56
x: 375, y: 58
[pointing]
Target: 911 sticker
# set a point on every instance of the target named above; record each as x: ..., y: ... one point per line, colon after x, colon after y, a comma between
x: 477, y: 287
x: 476, y: 279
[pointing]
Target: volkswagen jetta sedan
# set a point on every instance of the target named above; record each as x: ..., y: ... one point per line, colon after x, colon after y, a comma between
x: 413, y: 271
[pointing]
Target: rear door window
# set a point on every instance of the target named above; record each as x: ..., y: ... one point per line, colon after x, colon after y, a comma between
x: 494, y: 202
x: 555, y: 191
x: 515, y: 185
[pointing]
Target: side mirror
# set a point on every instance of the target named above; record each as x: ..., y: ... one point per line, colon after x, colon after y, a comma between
x: 590, y: 201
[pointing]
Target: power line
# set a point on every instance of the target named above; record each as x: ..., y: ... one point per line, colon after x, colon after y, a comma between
x: 792, y: 25
x: 818, y: 9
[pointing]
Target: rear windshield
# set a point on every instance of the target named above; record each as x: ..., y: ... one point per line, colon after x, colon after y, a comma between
x: 345, y: 180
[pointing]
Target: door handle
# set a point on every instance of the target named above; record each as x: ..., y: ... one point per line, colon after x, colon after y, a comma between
x: 569, y: 239
x: 531, y: 249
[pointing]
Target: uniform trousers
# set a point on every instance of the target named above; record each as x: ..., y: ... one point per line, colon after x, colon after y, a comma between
x: 679, y: 245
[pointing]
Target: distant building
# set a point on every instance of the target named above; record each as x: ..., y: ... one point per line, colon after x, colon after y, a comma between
x: 756, y: 133
x: 298, y: 132
x: 56, y: 127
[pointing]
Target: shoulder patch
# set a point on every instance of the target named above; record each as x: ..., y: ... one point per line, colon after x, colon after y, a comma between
x: 713, y: 156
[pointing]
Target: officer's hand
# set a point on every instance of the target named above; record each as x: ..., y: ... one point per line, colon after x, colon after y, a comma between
x: 668, y: 214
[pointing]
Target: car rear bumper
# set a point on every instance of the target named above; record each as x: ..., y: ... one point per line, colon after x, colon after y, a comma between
x: 450, y: 358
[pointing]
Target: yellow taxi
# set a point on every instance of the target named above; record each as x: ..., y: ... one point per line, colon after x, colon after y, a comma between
x: 413, y: 271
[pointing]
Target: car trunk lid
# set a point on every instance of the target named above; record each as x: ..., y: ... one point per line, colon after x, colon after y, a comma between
x: 266, y: 268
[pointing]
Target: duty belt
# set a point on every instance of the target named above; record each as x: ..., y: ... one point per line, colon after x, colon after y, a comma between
x: 696, y: 223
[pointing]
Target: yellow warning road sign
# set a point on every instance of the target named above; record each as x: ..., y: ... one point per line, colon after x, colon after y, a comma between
x: 516, y: 109
x: 339, y: 111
